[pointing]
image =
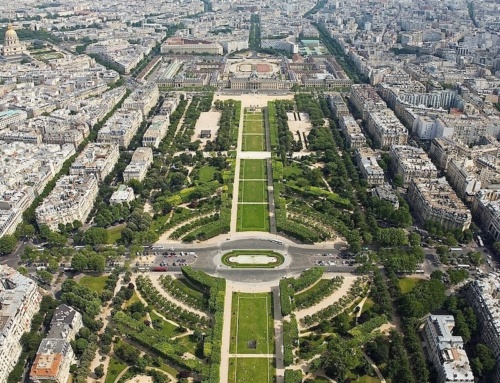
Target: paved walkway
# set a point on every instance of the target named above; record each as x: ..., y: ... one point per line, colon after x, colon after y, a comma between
x: 375, y: 368
x: 236, y: 185
x: 226, y: 335
x: 105, y: 317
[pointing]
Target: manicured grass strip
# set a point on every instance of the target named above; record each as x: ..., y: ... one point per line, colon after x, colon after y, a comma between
x: 252, y: 191
x: 408, y: 284
x: 253, y: 169
x: 252, y: 330
x: 253, y: 217
x: 299, y: 298
x: 253, y: 127
x: 226, y: 259
x: 251, y: 370
x: 253, y: 143
x: 115, y: 367
x: 94, y: 283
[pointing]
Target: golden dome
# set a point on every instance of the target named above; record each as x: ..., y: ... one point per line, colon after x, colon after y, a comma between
x: 11, y: 33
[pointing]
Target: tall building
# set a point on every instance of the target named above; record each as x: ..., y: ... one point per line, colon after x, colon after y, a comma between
x: 19, y: 301
x: 446, y: 351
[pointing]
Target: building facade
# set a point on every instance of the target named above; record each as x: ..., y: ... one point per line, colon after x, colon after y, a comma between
x: 434, y: 200
x: 446, y: 351
x: 19, y: 302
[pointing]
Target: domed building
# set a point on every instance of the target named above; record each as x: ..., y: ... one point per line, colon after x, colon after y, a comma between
x: 12, y: 46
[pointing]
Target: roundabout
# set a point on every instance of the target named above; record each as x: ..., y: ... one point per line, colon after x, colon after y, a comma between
x: 250, y: 259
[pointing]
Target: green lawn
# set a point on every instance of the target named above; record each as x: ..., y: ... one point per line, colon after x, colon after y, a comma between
x: 304, y: 296
x: 115, y: 367
x: 408, y: 284
x: 291, y: 170
x: 206, y: 173
x: 115, y: 233
x: 253, y: 169
x: 367, y: 305
x: 253, y: 127
x: 253, y: 143
x: 167, y: 329
x: 253, y: 217
x: 252, y: 321
x: 253, y: 191
x: 251, y: 370
x: 135, y: 298
x: 94, y: 283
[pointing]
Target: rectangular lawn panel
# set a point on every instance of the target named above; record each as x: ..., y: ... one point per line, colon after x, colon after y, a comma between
x: 253, y: 217
x: 252, y: 330
x: 94, y: 283
x: 252, y: 191
x: 251, y: 370
x: 253, y: 127
x: 253, y: 169
x: 253, y: 142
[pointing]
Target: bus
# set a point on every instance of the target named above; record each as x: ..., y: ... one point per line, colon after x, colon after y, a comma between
x: 463, y: 266
x: 455, y: 249
x: 480, y: 241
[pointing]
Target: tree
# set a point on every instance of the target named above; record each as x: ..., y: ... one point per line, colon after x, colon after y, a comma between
x: 99, y: 371
x: 484, y: 361
x: 96, y: 236
x: 7, y: 244
x: 127, y: 353
x: 79, y: 262
x: 414, y: 239
x: 97, y: 263
x: 398, y: 180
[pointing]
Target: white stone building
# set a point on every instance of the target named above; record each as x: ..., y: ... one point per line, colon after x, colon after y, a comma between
x: 71, y: 200
x: 19, y: 301
x: 446, y: 351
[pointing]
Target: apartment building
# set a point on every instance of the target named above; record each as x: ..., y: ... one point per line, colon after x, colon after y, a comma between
x: 434, y: 200
x: 411, y: 162
x: 143, y: 99
x: 366, y: 159
x: 97, y: 159
x: 71, y: 200
x: 352, y: 132
x: 365, y: 99
x: 156, y: 131
x: 139, y: 165
x: 19, y: 301
x: 9, y: 117
x: 121, y: 127
x: 55, y: 354
x: 337, y: 105
x: 446, y: 351
x: 484, y: 297
x: 385, y: 128
x: 35, y: 166
x: 461, y: 176
x: 176, y: 45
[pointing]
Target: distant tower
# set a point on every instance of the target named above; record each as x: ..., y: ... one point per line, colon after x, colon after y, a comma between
x: 12, y: 46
